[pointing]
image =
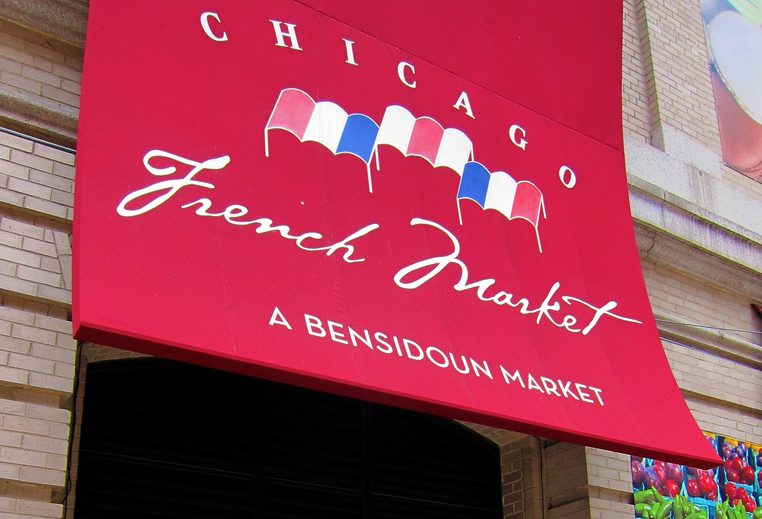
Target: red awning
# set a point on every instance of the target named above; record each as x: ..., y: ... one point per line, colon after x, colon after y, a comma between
x: 402, y: 203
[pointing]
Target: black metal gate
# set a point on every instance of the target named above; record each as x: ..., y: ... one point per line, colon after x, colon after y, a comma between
x: 168, y: 440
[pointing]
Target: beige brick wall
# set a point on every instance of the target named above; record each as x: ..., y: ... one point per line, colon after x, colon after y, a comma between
x: 36, y: 178
x: 12, y: 508
x: 30, y: 67
x: 678, y: 75
x: 668, y: 102
x: 547, y: 479
x: 696, y: 301
x: 37, y: 352
x: 636, y: 114
x: 714, y: 377
x: 34, y: 443
x: 521, y: 478
x: 566, y: 491
x: 608, y: 470
x: 610, y: 484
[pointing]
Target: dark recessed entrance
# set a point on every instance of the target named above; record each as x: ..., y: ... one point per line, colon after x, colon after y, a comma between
x: 168, y: 440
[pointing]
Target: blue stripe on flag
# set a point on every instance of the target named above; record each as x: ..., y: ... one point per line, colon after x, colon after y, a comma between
x: 474, y: 183
x: 358, y: 137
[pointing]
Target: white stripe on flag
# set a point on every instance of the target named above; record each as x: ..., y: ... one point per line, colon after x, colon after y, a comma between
x: 501, y: 192
x: 326, y: 125
x: 396, y: 128
x: 454, y: 150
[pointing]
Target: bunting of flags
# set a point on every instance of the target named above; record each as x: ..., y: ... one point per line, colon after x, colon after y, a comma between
x: 426, y: 138
x: 499, y: 191
x: 326, y: 123
x: 357, y: 134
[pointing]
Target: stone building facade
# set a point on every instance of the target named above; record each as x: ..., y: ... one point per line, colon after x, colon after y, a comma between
x: 697, y: 223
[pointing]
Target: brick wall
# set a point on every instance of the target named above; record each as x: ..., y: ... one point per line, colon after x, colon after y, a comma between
x: 38, y: 179
x: 522, y: 478
x: 668, y: 102
x: 29, y: 65
x: 636, y: 113
x: 39, y: 84
x: 680, y: 92
x: 686, y: 102
x: 565, y: 482
x: 723, y: 388
x: 682, y: 297
x: 37, y: 352
x: 610, y: 484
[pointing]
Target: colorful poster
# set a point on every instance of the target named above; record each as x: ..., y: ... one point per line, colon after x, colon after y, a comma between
x: 311, y: 194
x: 728, y: 491
x: 734, y: 40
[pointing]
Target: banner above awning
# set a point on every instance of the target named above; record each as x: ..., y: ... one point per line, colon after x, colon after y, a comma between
x: 420, y: 207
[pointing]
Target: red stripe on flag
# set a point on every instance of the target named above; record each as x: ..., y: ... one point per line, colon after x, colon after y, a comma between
x: 425, y: 139
x: 292, y: 112
x: 526, y: 203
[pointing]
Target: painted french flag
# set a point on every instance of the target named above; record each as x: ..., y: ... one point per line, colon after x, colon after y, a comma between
x: 424, y: 137
x: 499, y: 191
x: 357, y: 134
x: 326, y: 123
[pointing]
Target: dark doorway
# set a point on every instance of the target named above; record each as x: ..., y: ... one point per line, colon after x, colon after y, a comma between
x: 167, y: 440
